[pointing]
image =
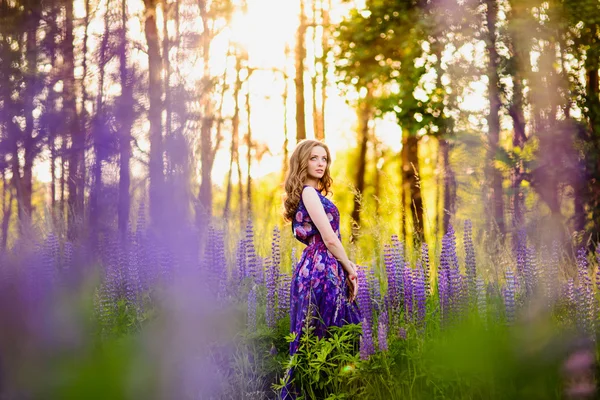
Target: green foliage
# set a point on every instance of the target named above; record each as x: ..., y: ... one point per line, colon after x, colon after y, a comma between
x: 325, y: 368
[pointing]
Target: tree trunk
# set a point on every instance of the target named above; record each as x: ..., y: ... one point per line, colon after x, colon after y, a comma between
x: 126, y: 121
x: 315, y: 77
x: 235, y: 126
x: 324, y: 64
x: 411, y: 181
x: 299, y: 79
x: 32, y: 21
x: 380, y: 161
x: 449, y: 207
x: 249, y: 147
x: 286, y: 140
x: 81, y: 167
x: 494, y: 176
x: 156, y: 167
x: 98, y: 133
x: 204, y: 201
x: 365, y: 115
x: 6, y: 210
x: 72, y: 123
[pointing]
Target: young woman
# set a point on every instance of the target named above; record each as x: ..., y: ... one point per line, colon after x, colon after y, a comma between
x: 324, y: 282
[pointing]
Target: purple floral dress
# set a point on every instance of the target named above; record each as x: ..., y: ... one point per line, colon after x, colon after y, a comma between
x: 318, y: 282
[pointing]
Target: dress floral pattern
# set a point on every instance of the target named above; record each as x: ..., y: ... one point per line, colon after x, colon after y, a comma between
x: 319, y: 290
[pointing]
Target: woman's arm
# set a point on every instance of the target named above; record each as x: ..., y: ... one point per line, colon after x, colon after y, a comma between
x: 315, y: 209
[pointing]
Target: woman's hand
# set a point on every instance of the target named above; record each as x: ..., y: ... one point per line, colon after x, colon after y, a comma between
x: 352, y: 281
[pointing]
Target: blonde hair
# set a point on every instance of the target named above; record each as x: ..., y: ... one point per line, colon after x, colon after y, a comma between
x: 297, y: 173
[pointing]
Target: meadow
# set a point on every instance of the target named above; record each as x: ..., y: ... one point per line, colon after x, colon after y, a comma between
x: 184, y: 316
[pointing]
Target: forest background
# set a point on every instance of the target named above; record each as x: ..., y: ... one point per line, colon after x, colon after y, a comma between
x: 434, y: 110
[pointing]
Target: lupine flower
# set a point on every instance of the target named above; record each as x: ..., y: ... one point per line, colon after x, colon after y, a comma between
x: 50, y: 259
x: 520, y: 249
x: 252, y: 263
x: 364, y: 298
x: 382, y: 332
x: 425, y: 265
x: 530, y: 271
x: 408, y: 293
x: 375, y: 289
x: 133, y: 285
x: 68, y: 256
x: 420, y: 296
x: 448, y: 275
x: 481, y: 298
x: 470, y: 265
x: 456, y: 290
x: 402, y: 333
x: 584, y: 295
x: 443, y: 294
x: 252, y: 309
x: 390, y: 270
x: 509, y: 297
x: 553, y: 274
x: 283, y: 305
x: 367, y: 347
x: 260, y: 270
x: 272, y: 279
x: 398, y: 260
x: 241, y: 260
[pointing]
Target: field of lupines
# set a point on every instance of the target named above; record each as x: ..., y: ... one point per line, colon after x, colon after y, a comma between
x: 190, y: 316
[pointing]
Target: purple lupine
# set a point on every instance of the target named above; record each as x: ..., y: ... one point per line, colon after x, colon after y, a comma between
x: 241, y: 260
x: 569, y: 292
x: 481, y: 298
x: 420, y: 295
x: 509, y: 297
x: 166, y: 262
x: 221, y: 262
x: 530, y: 271
x: 520, y: 249
x: 382, y: 332
x: 584, y: 295
x: 470, y: 265
x: 252, y: 309
x: 283, y: 305
x: 390, y: 269
x: 364, y: 298
x: 448, y: 276
x: 553, y: 273
x: 251, y: 257
x: 520, y: 252
x: 426, y: 268
x: 260, y: 271
x: 408, y: 292
x: 50, y: 254
x: 375, y: 289
x: 271, y: 304
x: 443, y: 294
x: 367, y: 348
x: 132, y: 283
x: 397, y: 250
x: 68, y: 256
x: 273, y: 279
x: 402, y: 333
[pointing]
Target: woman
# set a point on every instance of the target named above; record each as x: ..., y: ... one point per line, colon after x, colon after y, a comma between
x: 324, y: 283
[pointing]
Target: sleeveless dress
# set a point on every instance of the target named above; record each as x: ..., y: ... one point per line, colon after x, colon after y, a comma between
x: 318, y: 289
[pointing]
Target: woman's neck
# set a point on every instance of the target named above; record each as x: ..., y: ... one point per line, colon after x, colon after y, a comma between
x: 312, y: 182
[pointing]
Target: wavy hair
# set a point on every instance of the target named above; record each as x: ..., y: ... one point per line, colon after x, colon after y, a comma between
x: 297, y: 174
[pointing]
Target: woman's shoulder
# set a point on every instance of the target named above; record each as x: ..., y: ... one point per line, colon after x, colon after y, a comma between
x: 311, y: 187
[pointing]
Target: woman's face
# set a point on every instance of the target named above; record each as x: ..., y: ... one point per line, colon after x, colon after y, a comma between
x: 317, y: 162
